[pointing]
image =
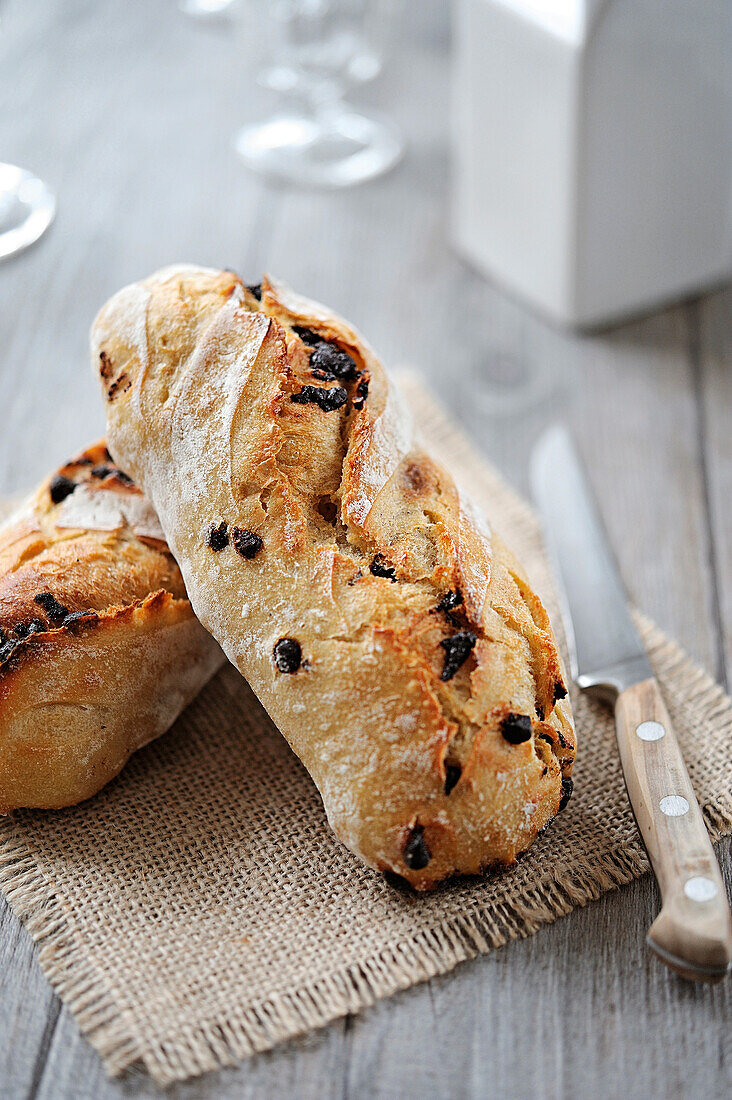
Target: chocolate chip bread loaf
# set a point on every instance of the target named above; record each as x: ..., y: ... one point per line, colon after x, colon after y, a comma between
x: 99, y: 648
x: 389, y: 633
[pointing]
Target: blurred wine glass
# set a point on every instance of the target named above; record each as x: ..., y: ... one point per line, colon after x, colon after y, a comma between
x: 27, y: 208
x: 203, y: 8
x: 312, y: 52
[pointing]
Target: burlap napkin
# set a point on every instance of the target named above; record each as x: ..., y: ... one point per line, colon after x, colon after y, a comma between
x: 199, y: 909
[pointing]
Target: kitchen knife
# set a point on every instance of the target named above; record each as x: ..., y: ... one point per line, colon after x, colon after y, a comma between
x: 693, y: 932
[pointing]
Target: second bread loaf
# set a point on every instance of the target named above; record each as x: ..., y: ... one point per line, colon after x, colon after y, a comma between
x: 99, y: 648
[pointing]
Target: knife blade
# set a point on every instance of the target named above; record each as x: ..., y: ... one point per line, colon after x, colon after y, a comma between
x: 693, y: 932
x: 605, y: 648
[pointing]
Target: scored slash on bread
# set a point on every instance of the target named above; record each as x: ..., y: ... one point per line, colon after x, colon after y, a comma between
x: 99, y: 648
x: 388, y: 631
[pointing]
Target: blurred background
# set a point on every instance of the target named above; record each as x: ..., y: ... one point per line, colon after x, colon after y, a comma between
x: 145, y: 122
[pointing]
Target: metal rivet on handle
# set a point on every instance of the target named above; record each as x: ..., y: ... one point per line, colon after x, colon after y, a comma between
x: 674, y: 805
x: 650, y: 731
x: 700, y: 888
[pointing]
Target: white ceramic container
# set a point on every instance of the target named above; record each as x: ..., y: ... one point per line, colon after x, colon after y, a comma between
x: 593, y: 150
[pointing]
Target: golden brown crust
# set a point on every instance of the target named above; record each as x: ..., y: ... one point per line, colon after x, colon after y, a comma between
x: 99, y: 647
x: 86, y: 567
x: 428, y: 702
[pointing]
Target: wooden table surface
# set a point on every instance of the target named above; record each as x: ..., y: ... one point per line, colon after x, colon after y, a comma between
x: 127, y: 109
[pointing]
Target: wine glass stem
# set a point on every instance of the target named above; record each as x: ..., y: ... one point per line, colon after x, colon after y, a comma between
x: 319, y: 97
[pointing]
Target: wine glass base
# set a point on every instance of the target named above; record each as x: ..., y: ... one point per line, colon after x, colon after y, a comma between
x: 337, y: 149
x: 27, y: 208
x: 204, y: 9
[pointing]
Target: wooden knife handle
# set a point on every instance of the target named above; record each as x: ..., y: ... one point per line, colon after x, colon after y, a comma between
x: 693, y: 932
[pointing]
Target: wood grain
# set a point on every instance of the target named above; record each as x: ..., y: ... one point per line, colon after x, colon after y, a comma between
x: 692, y: 933
x: 127, y: 109
x: 711, y: 358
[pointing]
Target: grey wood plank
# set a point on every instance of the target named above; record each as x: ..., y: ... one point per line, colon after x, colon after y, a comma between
x: 311, y: 1069
x: 578, y: 1010
x: 715, y: 393
x: 29, y: 1009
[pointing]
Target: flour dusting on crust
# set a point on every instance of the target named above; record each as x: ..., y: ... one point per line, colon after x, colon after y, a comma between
x: 222, y: 374
x: 25, y: 513
x: 98, y: 509
x: 172, y: 271
x: 391, y: 440
x: 474, y: 555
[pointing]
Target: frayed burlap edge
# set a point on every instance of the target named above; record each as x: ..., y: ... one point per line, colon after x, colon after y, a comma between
x: 61, y: 954
x: 213, y: 1045
x: 431, y: 951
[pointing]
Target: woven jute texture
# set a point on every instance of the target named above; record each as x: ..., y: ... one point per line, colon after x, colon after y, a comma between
x: 199, y: 909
